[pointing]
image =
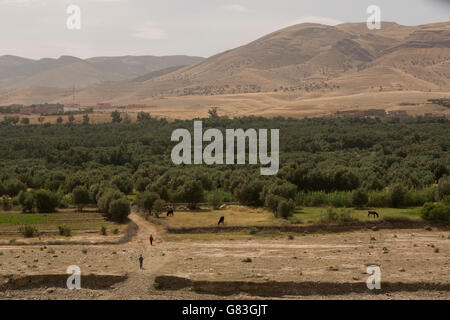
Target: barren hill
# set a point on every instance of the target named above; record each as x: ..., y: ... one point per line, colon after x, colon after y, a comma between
x: 66, y: 71
x: 306, y: 62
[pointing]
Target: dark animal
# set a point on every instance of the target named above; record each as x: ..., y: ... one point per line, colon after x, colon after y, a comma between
x: 374, y: 214
x: 221, y: 220
x: 170, y: 213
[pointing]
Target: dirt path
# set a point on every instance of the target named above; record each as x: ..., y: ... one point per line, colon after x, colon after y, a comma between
x: 140, y: 282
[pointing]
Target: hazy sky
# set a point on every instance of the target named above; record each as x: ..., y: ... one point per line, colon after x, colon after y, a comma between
x: 37, y: 28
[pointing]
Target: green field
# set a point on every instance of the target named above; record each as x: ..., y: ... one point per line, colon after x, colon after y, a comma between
x: 78, y: 222
x: 315, y: 214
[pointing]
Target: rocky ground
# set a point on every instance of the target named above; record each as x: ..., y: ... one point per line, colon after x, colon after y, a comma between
x: 414, y: 258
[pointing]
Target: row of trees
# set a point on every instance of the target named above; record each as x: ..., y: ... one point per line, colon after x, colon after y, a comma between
x: 358, y: 157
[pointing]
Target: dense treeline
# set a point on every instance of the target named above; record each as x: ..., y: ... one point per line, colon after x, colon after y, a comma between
x: 316, y: 155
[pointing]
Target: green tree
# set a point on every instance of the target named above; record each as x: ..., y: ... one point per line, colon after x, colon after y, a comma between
x: 143, y: 116
x: 26, y: 201
x: 119, y: 210
x: 115, y: 116
x: 397, y: 195
x: 25, y: 121
x: 71, y: 118
x: 444, y: 187
x: 359, y: 197
x: 46, y: 201
x: 13, y: 186
x: 81, y: 197
x: 146, y: 200
x: 192, y: 193
x: 59, y: 120
x: 86, y: 119
x: 158, y: 207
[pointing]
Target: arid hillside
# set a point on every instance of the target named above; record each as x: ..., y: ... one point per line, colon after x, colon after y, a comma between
x: 66, y: 71
x: 306, y: 69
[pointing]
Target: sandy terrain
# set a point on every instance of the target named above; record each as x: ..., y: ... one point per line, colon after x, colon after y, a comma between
x: 414, y: 258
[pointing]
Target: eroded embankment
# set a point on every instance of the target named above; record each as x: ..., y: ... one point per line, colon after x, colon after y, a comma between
x: 289, y: 288
x: 319, y: 227
x: 89, y: 281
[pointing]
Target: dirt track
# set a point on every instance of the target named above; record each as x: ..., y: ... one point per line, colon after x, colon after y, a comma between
x: 417, y: 259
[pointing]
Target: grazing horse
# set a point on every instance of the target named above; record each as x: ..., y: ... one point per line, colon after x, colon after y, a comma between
x: 221, y: 220
x: 374, y: 214
x: 170, y: 213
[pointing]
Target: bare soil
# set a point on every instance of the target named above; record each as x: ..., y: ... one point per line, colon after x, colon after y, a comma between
x: 414, y: 263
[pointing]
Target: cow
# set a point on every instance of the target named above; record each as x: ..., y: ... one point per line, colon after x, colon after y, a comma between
x: 373, y: 213
x: 221, y: 220
x: 170, y: 213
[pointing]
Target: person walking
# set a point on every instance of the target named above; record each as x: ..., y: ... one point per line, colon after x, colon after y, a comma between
x: 151, y: 240
x: 141, y: 262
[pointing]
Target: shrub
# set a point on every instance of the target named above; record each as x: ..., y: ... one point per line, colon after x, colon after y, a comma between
x: 285, y: 208
x: 13, y: 187
x: 397, y: 195
x: 192, y: 193
x: 29, y: 231
x: 338, y: 215
x: 215, y: 199
x: 119, y: 210
x: 158, y: 207
x: 272, y: 202
x: 253, y: 230
x: 146, y: 200
x: 435, y: 212
x: 103, y: 231
x: 105, y: 200
x: 359, y: 198
x: 6, y: 203
x: 414, y: 198
x: 81, y: 197
x: 443, y: 187
x: 26, y: 200
x: 64, y: 231
x: 46, y: 201
x: 378, y: 199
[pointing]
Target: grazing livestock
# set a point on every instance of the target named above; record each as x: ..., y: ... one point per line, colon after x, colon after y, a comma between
x: 170, y: 213
x: 374, y: 214
x: 221, y: 220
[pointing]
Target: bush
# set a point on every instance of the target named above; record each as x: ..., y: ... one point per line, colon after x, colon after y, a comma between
x: 378, y: 199
x: 158, y: 207
x: 119, y: 210
x: 443, y: 187
x: 28, y: 231
x: 46, y: 201
x: 192, y: 193
x: 338, y: 215
x: 285, y: 208
x: 13, y: 187
x: 81, y: 197
x: 359, y: 198
x: 26, y: 200
x: 253, y: 230
x: 123, y: 183
x: 215, y: 199
x: 435, y: 212
x: 146, y: 200
x: 103, y: 231
x: 105, y: 200
x: 6, y: 203
x: 414, y: 198
x: 64, y: 231
x: 397, y: 195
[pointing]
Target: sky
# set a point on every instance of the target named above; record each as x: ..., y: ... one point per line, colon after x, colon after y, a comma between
x: 38, y: 28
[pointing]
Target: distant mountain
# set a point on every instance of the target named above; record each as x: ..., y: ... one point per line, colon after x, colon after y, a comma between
x: 66, y: 71
x: 305, y: 60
